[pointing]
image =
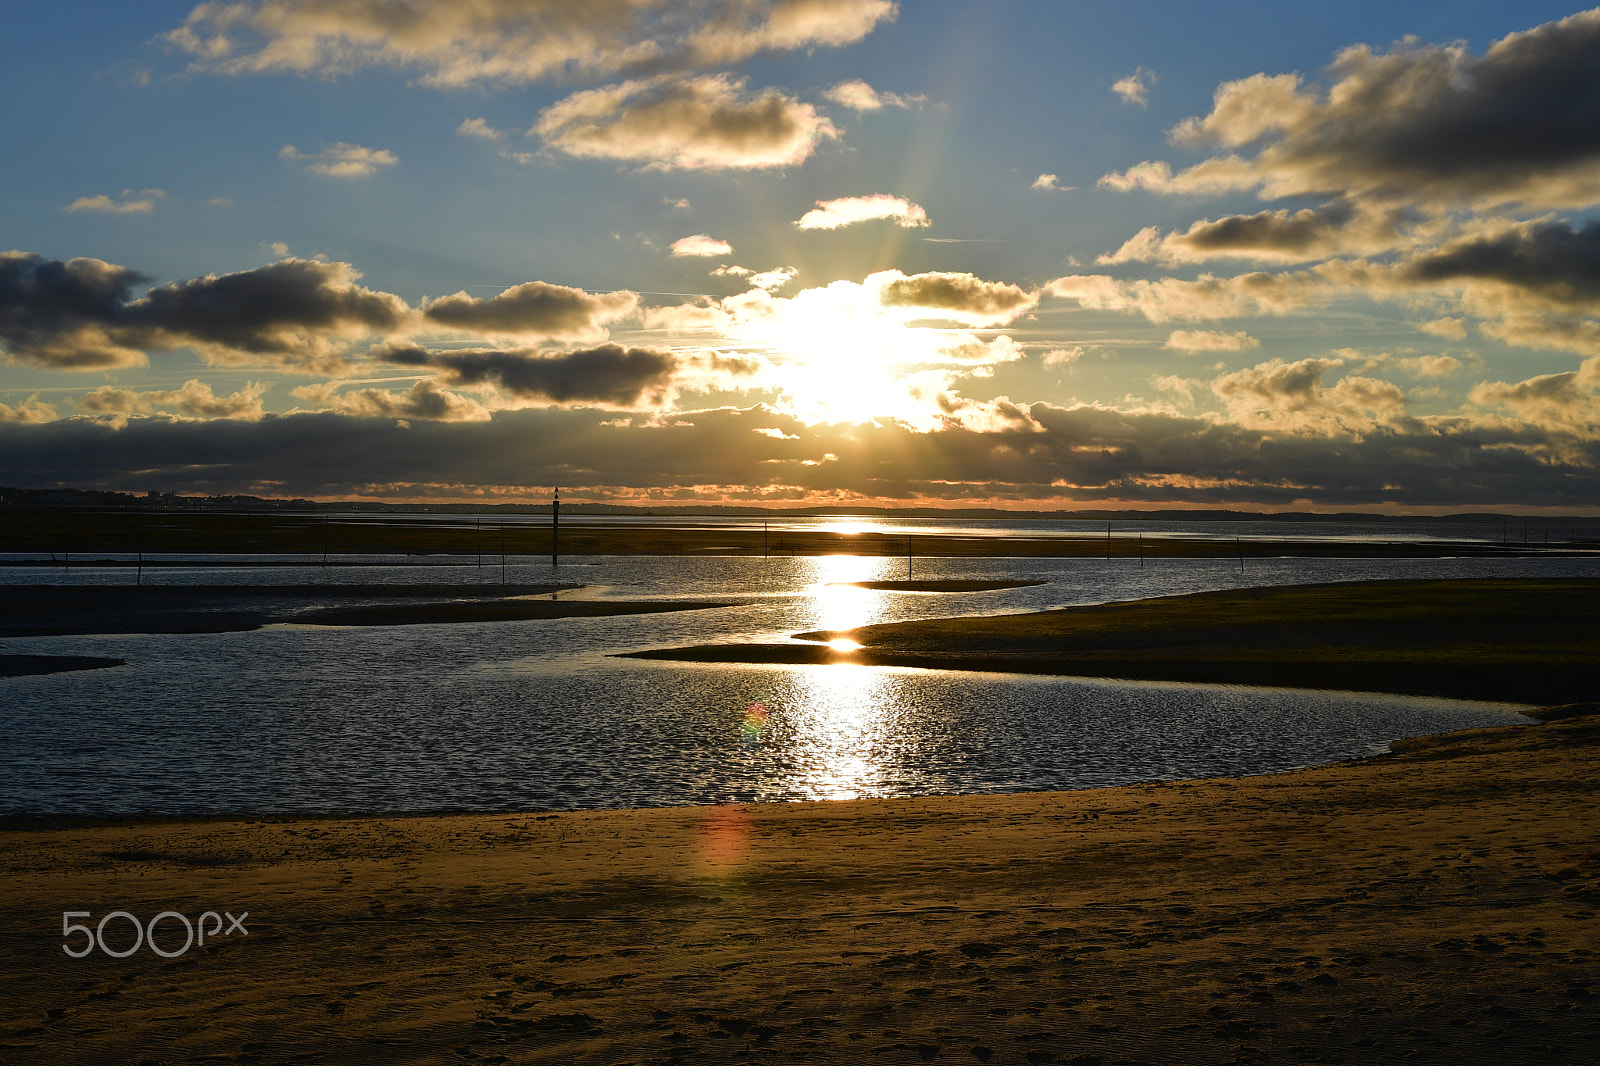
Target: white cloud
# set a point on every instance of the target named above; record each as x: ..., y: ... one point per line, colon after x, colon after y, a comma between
x: 141, y: 203
x: 347, y: 161
x: 1047, y: 183
x: 1205, y: 340
x: 1135, y: 88
x: 850, y: 210
x: 859, y: 96
x: 477, y: 127
x: 701, y: 244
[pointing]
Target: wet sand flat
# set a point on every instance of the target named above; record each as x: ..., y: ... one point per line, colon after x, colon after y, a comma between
x: 1435, y: 905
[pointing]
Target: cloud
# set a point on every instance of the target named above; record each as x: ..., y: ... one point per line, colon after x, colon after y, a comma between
x: 143, y: 204
x: 534, y: 309
x: 1206, y: 297
x: 1082, y: 454
x: 298, y: 313
x: 29, y: 412
x: 708, y: 122
x: 859, y: 96
x: 457, y: 45
x: 608, y: 375
x: 68, y: 315
x: 477, y: 127
x: 194, y: 398
x: 701, y: 244
x: 425, y: 400
x: 1431, y: 366
x: 1448, y: 328
x: 1205, y: 340
x: 1432, y: 125
x: 1292, y: 397
x: 1047, y: 183
x: 1339, y: 228
x: 1567, y: 403
x: 82, y: 315
x: 1060, y: 357
x: 347, y: 161
x: 1135, y: 88
x: 850, y: 210
x: 957, y: 297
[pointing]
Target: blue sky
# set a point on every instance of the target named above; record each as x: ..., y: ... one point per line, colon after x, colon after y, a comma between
x: 1028, y: 255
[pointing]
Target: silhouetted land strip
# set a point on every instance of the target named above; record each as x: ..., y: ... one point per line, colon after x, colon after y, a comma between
x: 938, y: 586
x: 60, y: 610
x: 99, y: 534
x: 1530, y: 641
x: 25, y: 665
x: 1438, y: 904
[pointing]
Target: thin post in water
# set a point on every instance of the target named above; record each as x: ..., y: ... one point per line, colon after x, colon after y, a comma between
x: 555, y: 528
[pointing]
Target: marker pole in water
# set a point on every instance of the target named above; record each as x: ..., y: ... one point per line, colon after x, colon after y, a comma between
x: 1108, y: 542
x: 908, y: 558
x: 555, y: 528
x: 502, y: 551
x: 1237, y: 543
x: 139, y: 575
x: 1141, y: 551
x: 763, y: 540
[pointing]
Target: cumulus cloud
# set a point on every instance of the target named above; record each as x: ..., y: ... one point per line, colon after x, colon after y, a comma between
x: 456, y: 45
x: 608, y: 375
x: 1425, y: 124
x: 1205, y: 340
x: 1292, y: 397
x: 1047, y: 183
x: 479, y: 128
x: 1205, y: 297
x: 534, y: 309
x: 29, y: 412
x: 424, y: 400
x: 348, y: 161
x: 850, y: 210
x: 709, y: 122
x: 1057, y: 358
x: 701, y: 244
x: 194, y: 398
x: 141, y: 204
x: 957, y: 297
x: 1431, y: 366
x: 1567, y: 403
x: 1448, y: 328
x: 82, y: 315
x: 1135, y: 88
x: 859, y: 96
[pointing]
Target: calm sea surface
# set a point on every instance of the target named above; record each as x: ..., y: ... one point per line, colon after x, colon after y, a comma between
x: 520, y: 715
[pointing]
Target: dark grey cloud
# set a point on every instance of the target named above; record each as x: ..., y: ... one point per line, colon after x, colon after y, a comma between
x: 1072, y: 454
x: 67, y: 314
x: 608, y: 375
x: 1338, y: 228
x: 536, y: 309
x: 82, y: 314
x: 297, y: 311
x: 1555, y: 264
x: 1423, y: 124
x: 961, y: 297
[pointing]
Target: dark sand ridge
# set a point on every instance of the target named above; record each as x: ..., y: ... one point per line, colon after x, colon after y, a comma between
x: 1435, y: 905
x: 1531, y: 641
x: 61, y: 610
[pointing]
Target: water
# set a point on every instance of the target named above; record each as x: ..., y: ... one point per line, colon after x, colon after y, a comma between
x: 537, y: 714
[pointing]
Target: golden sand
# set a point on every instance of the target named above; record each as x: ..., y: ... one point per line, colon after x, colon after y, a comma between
x: 1435, y: 905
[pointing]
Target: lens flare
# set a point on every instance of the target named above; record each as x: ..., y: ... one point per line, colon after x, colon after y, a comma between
x: 757, y: 721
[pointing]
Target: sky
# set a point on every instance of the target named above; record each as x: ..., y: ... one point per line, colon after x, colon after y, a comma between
x: 1026, y: 255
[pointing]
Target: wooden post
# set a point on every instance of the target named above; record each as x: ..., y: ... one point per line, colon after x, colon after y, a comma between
x: 1108, y: 542
x: 1141, y: 551
x: 139, y: 574
x: 555, y: 529
x: 908, y: 558
x: 327, y: 524
x: 502, y: 551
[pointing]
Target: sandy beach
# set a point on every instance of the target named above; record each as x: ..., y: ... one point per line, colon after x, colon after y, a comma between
x: 1436, y: 905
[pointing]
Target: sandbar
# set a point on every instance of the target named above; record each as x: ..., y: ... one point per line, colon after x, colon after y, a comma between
x: 1437, y: 904
x: 938, y: 585
x: 1531, y: 641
